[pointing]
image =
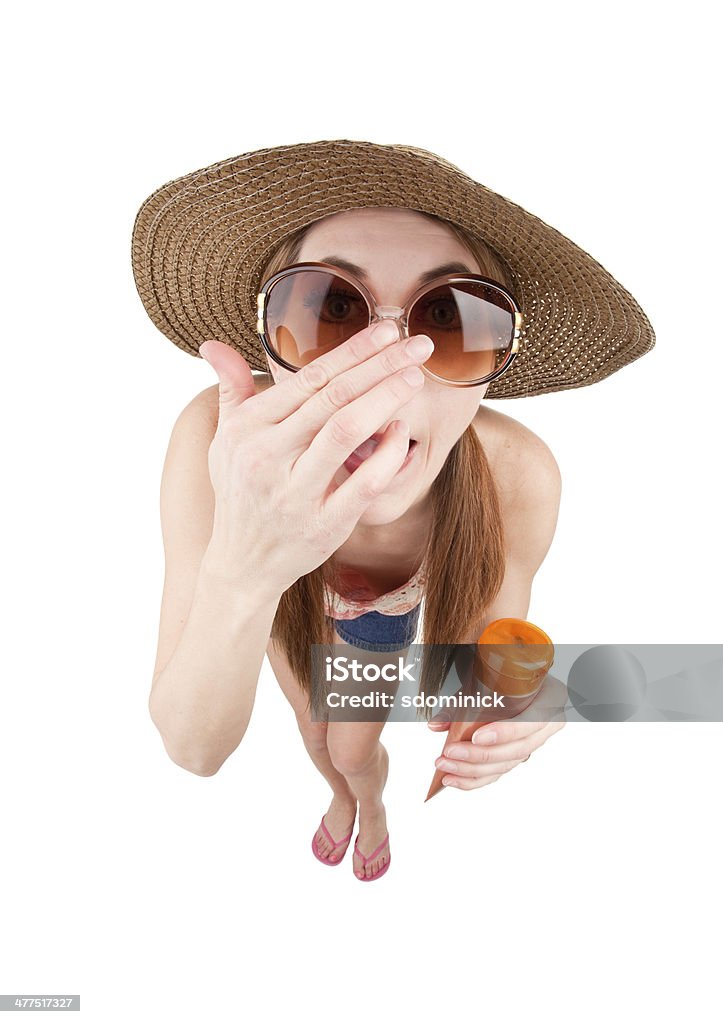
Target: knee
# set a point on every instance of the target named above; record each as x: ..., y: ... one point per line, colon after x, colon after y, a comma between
x: 313, y: 734
x: 351, y: 760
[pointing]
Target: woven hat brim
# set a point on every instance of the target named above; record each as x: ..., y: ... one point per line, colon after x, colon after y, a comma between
x: 201, y: 242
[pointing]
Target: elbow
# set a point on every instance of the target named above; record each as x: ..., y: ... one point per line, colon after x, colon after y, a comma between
x: 194, y: 765
x: 186, y: 755
x: 191, y: 759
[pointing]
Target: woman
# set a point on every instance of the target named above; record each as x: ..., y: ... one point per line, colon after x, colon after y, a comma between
x: 284, y: 523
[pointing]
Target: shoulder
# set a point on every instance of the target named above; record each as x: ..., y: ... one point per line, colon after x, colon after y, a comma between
x: 517, y: 456
x: 202, y: 411
x: 528, y: 482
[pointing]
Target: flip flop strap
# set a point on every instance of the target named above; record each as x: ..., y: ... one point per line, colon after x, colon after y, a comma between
x: 371, y: 855
x: 327, y: 833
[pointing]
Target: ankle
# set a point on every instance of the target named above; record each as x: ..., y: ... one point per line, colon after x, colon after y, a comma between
x: 344, y: 799
x: 371, y: 811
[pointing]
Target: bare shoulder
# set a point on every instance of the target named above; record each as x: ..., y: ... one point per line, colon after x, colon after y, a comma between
x: 201, y: 412
x: 203, y: 409
x: 528, y: 482
x: 186, y: 494
x: 518, y: 457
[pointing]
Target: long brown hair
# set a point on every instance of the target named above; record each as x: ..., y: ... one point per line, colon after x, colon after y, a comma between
x: 464, y: 552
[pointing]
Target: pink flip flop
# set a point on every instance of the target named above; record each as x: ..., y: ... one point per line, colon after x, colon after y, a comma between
x: 371, y: 856
x: 327, y: 833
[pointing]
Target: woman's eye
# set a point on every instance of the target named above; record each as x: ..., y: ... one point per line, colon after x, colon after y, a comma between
x: 338, y: 306
x: 441, y: 313
x: 335, y: 305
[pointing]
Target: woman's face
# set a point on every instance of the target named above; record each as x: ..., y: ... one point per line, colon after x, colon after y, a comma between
x: 396, y: 246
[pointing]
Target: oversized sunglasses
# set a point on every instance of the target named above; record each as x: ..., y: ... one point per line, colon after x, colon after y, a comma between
x: 308, y: 309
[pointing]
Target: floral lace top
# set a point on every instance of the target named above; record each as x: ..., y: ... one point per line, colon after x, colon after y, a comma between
x: 359, y: 598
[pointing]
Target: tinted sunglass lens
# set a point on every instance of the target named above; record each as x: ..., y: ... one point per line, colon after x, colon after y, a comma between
x: 311, y: 312
x: 472, y: 327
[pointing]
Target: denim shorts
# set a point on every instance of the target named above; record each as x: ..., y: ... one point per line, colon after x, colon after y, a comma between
x: 376, y: 632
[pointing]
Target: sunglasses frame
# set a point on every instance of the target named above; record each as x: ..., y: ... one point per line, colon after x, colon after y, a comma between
x: 376, y: 313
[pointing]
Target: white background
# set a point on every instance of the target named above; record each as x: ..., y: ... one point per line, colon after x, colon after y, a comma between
x: 586, y: 883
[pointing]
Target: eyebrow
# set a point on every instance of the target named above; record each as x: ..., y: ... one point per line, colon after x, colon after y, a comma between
x: 454, y: 267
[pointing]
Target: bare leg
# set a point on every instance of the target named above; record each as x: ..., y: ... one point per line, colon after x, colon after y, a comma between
x: 353, y: 761
x: 341, y: 813
x: 356, y: 751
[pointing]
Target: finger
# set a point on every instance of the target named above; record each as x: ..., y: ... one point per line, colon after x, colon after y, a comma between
x: 373, y: 476
x: 524, y: 731
x: 291, y: 393
x: 370, y: 414
x: 504, y: 731
x: 498, y: 752
x: 235, y: 379
x: 360, y: 401
x: 470, y: 770
x: 443, y: 719
x: 454, y: 782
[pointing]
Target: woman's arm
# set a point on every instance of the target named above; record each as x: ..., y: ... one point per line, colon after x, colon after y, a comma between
x: 529, y: 487
x: 214, y: 627
x: 248, y: 509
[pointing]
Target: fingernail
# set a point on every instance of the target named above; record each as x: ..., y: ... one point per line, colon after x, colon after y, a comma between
x: 420, y: 348
x: 385, y: 331
x: 484, y: 737
x: 458, y: 753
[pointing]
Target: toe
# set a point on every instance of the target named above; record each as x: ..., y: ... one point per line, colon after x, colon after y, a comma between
x: 377, y: 866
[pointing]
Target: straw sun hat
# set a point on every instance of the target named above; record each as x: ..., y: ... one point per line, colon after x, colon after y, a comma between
x: 200, y: 244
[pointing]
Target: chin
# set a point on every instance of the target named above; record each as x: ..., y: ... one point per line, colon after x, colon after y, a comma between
x: 385, y: 509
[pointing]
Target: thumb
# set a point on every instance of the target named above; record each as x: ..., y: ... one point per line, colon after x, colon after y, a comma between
x: 440, y: 722
x: 235, y: 380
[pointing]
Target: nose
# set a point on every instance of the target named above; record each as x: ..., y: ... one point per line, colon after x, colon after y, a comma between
x: 395, y: 311
x: 392, y: 313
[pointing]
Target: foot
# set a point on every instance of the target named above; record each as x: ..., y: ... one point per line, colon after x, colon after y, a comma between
x: 372, y: 830
x: 339, y: 820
